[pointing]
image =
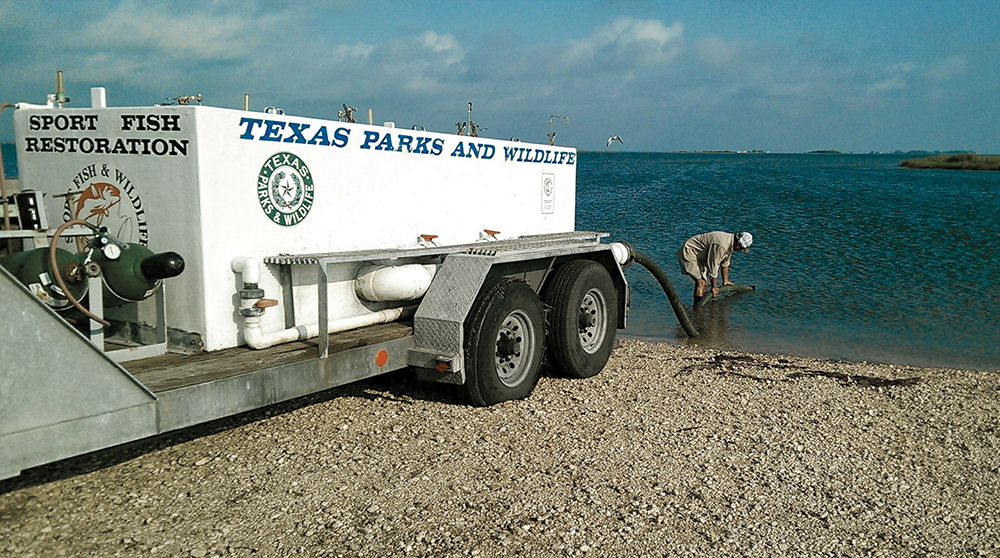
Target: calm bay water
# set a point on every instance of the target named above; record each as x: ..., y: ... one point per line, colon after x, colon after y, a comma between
x: 854, y: 257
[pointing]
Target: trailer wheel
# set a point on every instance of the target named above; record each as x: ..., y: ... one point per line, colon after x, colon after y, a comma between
x: 584, y: 318
x: 504, y: 343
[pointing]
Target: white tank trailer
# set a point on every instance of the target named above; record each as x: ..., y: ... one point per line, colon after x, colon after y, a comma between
x: 170, y: 265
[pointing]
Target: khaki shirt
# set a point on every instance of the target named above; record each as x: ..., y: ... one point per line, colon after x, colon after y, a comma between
x: 709, y: 251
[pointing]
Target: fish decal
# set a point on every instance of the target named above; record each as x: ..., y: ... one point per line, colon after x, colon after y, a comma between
x: 94, y: 204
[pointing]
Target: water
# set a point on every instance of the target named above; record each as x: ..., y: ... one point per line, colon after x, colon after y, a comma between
x: 853, y: 258
x: 9, y: 153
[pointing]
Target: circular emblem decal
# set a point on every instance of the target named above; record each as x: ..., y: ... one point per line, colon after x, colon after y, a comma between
x: 104, y: 196
x: 285, y: 189
x: 547, y: 185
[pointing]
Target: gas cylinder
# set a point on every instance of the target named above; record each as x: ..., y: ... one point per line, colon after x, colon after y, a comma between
x: 32, y: 268
x: 132, y: 272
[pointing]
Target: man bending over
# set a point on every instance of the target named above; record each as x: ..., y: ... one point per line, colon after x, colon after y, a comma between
x: 704, y: 255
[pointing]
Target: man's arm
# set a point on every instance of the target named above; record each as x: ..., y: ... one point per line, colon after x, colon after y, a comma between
x: 725, y: 276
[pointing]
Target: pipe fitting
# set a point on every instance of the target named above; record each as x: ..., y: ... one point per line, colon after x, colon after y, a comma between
x: 393, y: 283
x: 248, y: 268
x: 252, y: 311
x: 251, y: 292
x: 253, y: 303
x: 623, y: 252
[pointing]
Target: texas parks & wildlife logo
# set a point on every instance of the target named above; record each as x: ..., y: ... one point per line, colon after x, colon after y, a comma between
x: 285, y: 189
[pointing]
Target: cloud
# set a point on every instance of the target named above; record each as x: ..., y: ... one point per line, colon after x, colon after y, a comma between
x: 947, y: 68
x: 310, y: 57
x: 425, y: 64
x: 137, y: 29
x: 639, y: 42
x: 895, y: 77
x: 716, y: 52
x: 134, y: 44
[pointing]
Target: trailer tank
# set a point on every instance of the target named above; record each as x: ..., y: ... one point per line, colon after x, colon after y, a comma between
x: 214, y: 184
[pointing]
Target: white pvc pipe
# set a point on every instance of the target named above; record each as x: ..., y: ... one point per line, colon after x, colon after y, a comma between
x: 256, y: 338
x: 249, y: 268
x: 622, y: 253
x: 98, y: 97
x: 400, y: 281
x: 393, y: 283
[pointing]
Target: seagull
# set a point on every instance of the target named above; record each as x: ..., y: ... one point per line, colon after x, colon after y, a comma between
x: 612, y: 140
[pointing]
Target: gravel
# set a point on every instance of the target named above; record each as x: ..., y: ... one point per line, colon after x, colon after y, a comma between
x: 672, y: 450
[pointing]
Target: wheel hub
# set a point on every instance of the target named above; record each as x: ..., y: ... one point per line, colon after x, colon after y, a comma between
x: 593, y: 320
x: 513, y: 348
x: 508, y: 346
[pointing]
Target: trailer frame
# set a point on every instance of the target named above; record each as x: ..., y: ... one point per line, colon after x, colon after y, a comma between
x: 78, y: 399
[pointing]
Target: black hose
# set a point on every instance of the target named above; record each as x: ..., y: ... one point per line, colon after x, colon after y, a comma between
x: 54, y: 268
x: 668, y: 289
x: 726, y: 289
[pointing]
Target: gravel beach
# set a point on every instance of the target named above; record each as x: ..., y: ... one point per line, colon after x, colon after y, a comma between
x: 673, y: 450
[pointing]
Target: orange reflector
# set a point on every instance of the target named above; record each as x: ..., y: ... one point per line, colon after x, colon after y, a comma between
x: 266, y: 303
x: 491, y: 233
x: 381, y: 358
x: 442, y: 367
x: 428, y: 236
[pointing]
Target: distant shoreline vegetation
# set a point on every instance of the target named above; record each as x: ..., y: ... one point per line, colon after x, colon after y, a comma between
x: 959, y: 161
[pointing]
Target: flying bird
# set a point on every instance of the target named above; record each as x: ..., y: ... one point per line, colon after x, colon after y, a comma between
x: 612, y: 140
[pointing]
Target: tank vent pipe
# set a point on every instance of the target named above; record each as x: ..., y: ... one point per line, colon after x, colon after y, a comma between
x: 98, y: 97
x: 60, y: 97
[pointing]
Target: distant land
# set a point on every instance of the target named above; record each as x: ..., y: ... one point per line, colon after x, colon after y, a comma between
x: 912, y: 153
x: 960, y: 161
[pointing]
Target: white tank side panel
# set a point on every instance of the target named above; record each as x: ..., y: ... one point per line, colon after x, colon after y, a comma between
x: 363, y: 195
x: 138, y: 181
x: 254, y: 184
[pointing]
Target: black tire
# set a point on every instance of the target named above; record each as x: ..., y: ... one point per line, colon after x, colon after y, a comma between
x: 504, y: 343
x: 584, y: 318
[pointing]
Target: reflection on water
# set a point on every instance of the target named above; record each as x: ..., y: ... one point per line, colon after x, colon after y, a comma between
x: 712, y: 320
x: 853, y: 257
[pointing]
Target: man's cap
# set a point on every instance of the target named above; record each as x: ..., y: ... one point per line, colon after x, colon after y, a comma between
x: 745, y: 239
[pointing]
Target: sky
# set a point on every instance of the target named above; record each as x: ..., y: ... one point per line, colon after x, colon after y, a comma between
x: 779, y: 76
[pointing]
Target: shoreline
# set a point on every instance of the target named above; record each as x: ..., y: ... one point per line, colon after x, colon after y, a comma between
x: 670, y: 450
x: 961, y: 161
x: 804, y: 352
